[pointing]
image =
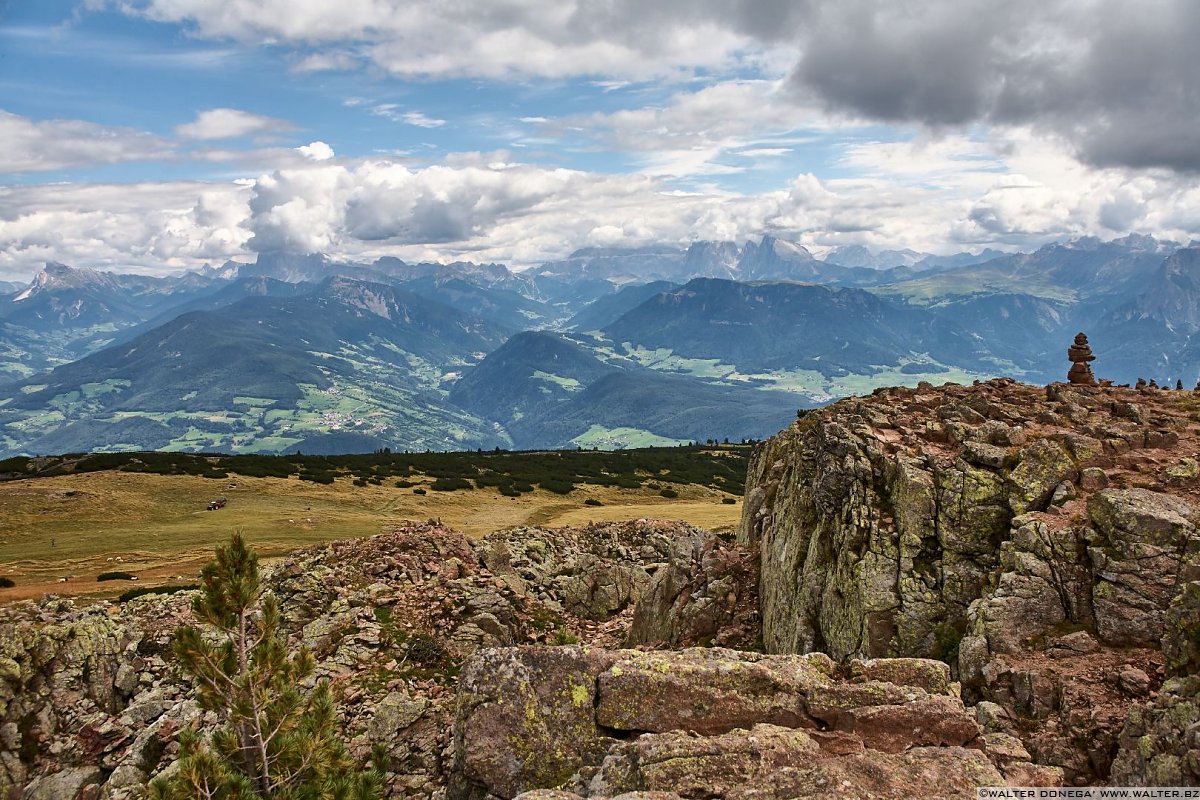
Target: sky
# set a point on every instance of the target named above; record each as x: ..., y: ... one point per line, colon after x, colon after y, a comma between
x: 159, y: 135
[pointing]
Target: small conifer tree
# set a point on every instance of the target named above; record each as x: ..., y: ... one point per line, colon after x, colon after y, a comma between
x: 278, y: 740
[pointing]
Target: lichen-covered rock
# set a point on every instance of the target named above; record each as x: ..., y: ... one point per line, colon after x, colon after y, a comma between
x: 719, y: 723
x: 767, y: 761
x: 1142, y: 540
x: 526, y: 719
x: 1043, y: 582
x: 389, y: 618
x: 708, y: 690
x: 1161, y: 739
x: 1042, y: 466
x: 593, y: 572
x: 1181, y: 642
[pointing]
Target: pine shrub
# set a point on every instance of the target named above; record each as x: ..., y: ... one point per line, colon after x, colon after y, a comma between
x: 278, y: 740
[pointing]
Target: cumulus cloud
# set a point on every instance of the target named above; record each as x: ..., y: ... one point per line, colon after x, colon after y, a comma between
x: 230, y: 123
x: 1116, y: 80
x: 317, y: 151
x: 146, y: 226
x: 500, y: 39
x: 487, y: 207
x: 30, y: 146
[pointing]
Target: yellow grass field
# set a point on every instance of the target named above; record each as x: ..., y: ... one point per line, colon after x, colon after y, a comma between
x: 156, y: 526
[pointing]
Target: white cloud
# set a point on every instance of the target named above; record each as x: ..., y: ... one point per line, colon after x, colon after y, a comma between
x: 556, y: 38
x: 764, y: 152
x: 331, y: 61
x: 317, y: 151
x: 229, y: 123
x: 29, y: 146
x: 1114, y: 78
x: 147, y: 226
x: 701, y: 132
x: 418, y: 119
x: 490, y: 207
x: 421, y: 121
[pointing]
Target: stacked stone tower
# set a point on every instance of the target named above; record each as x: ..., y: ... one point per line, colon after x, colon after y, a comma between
x: 1080, y: 354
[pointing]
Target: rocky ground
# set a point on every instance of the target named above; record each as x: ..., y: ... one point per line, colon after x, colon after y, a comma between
x: 90, y: 705
x: 931, y: 590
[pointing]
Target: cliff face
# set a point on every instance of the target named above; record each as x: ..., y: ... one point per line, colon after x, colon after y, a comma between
x: 1035, y: 538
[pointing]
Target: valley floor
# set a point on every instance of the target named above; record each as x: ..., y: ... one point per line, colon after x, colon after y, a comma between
x: 76, y: 527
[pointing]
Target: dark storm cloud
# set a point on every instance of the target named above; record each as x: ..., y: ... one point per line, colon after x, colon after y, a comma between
x: 1120, y: 81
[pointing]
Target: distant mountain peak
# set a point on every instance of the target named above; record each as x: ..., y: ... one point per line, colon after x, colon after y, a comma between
x: 858, y: 255
x: 374, y: 298
x: 56, y: 276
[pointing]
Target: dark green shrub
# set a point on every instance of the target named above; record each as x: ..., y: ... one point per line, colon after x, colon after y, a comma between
x: 419, y: 490
x: 591, y: 501
x: 946, y: 641
x: 508, y: 490
x: 145, y: 590
x: 557, y: 486
x: 7, y: 583
x: 115, y: 576
x: 729, y: 501
x: 670, y: 494
x: 451, y: 484
x: 15, y: 464
x: 425, y: 650
x: 562, y: 636
x: 405, y: 484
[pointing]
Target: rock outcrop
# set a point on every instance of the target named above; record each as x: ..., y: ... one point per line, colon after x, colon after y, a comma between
x: 705, y: 594
x: 719, y: 723
x: 1034, y: 538
x: 89, y: 703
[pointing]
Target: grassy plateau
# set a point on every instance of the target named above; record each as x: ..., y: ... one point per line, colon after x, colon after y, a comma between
x: 61, y: 529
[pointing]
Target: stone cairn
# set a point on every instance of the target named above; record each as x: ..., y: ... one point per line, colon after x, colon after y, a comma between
x: 1079, y: 354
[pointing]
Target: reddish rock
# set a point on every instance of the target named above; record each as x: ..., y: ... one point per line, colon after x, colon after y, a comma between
x: 936, y: 720
x: 1080, y: 354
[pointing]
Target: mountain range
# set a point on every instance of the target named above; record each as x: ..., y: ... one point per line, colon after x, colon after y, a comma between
x: 609, y: 347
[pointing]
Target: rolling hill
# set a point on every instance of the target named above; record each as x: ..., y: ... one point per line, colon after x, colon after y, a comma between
x: 265, y: 374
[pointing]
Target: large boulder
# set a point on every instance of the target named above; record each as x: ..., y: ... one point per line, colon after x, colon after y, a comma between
x: 67, y: 784
x: 767, y: 761
x: 708, y: 690
x: 526, y: 719
x: 719, y: 723
x: 1142, y: 539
